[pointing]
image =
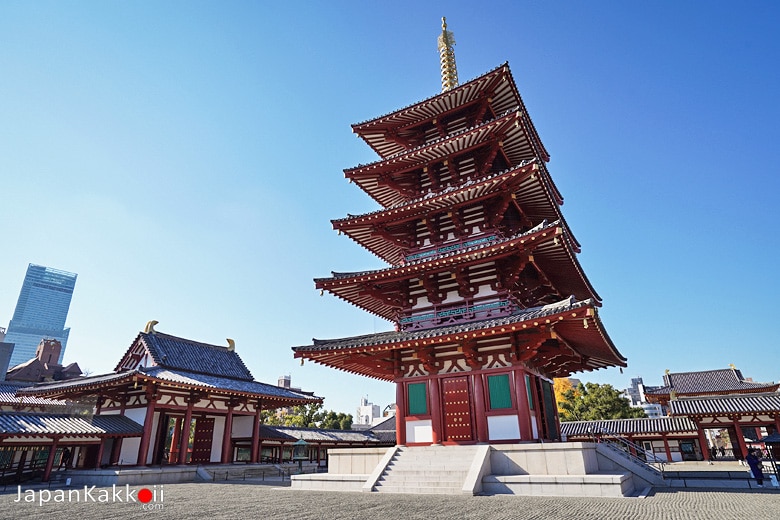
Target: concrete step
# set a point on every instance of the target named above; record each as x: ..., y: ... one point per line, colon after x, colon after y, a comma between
x: 419, y: 490
x: 395, y: 481
x: 424, y: 474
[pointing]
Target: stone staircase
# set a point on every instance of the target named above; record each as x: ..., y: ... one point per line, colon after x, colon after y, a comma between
x: 427, y: 470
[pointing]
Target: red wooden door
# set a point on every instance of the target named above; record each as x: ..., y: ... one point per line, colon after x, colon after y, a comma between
x: 201, y: 442
x: 456, y: 402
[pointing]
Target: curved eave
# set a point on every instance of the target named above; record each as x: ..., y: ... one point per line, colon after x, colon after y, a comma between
x: 367, y: 355
x: 124, y: 379
x: 511, y: 127
x: 278, y: 400
x: 497, y: 83
x: 549, y: 245
x: 529, y: 183
x: 69, y: 388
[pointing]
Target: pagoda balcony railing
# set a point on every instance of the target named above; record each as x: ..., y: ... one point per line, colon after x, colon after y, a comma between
x: 441, y: 315
x: 454, y: 246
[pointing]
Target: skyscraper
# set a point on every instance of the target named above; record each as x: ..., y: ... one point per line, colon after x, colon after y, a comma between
x: 40, y: 312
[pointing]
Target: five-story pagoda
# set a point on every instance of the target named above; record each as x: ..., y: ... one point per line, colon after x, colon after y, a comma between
x: 488, y: 299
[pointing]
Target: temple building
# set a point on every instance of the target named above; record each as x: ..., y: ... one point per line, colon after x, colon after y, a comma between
x: 706, y: 409
x: 484, y: 290
x: 170, y: 400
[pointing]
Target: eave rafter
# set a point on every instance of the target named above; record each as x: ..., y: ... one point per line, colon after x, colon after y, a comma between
x: 558, y: 343
x: 389, y: 233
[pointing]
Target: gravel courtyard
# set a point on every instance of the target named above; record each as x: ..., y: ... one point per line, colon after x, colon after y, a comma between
x: 245, y: 500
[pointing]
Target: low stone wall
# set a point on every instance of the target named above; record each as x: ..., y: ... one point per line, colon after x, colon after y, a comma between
x: 559, y: 458
x: 132, y: 476
x: 352, y: 461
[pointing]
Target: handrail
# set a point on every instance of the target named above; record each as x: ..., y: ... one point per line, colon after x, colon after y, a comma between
x: 656, y: 465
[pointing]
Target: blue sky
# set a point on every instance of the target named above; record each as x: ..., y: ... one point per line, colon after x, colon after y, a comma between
x: 185, y: 159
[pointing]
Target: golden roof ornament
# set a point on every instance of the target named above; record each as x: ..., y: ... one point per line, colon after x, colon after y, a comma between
x: 149, y: 329
x: 449, y: 72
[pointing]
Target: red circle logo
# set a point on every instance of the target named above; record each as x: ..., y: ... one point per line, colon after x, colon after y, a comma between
x: 145, y: 495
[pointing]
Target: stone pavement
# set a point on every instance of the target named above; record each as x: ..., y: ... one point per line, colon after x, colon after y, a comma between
x: 269, y: 502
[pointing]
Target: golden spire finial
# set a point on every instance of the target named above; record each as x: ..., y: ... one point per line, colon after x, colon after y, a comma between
x: 449, y: 72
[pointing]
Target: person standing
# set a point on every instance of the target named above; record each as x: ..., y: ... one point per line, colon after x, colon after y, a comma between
x: 754, y: 461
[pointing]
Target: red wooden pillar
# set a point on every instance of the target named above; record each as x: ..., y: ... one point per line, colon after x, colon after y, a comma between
x: 101, y: 449
x: 740, y: 438
x: 146, y: 437
x: 479, y: 408
x: 281, y: 452
x: 777, y: 423
x: 255, y: 450
x: 116, y: 450
x: 50, y: 460
x: 523, y: 410
x: 319, y: 452
x: 400, y: 413
x: 227, y: 456
x: 703, y: 444
x: 184, y: 440
x: 666, y: 447
x: 437, y: 431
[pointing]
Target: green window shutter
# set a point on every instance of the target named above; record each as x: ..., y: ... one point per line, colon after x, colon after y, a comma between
x: 529, y: 392
x: 500, y: 394
x: 418, y: 404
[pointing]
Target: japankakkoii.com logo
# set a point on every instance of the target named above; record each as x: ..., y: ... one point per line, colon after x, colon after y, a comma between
x: 148, y: 498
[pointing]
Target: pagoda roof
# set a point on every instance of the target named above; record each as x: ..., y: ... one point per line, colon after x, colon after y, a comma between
x: 552, y: 251
x: 177, y: 353
x: 726, y: 404
x: 509, y: 127
x: 727, y: 380
x: 639, y: 426
x: 530, y: 184
x: 169, y: 377
x: 497, y: 84
x: 48, y: 424
x: 592, y: 342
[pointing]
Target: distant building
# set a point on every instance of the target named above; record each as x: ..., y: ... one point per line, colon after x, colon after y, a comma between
x: 44, y: 366
x: 6, y: 349
x: 367, y: 412
x: 40, y: 312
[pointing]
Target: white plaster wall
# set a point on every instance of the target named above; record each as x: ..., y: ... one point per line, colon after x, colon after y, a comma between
x: 534, y: 428
x: 216, y: 439
x: 129, y: 453
x: 242, y: 426
x: 503, y: 427
x: 419, y: 431
x: 136, y: 414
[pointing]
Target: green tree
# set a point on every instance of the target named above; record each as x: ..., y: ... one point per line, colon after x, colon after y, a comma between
x: 594, y: 402
x: 336, y: 421
x: 304, y: 416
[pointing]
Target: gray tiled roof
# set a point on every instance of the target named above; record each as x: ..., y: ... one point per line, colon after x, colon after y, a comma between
x: 225, y: 383
x: 31, y: 424
x: 8, y: 396
x: 292, y: 434
x: 211, y: 382
x: 629, y: 426
x: 192, y: 356
x: 385, y: 431
x: 76, y: 383
x: 725, y: 404
x: 398, y: 336
x: 708, y: 381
